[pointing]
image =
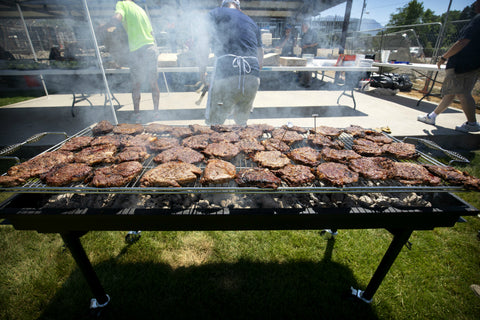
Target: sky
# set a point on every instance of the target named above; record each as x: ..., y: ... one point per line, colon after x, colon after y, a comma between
x: 380, y: 10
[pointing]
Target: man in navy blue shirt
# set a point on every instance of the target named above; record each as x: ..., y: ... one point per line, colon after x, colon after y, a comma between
x: 463, y: 67
x: 236, y: 43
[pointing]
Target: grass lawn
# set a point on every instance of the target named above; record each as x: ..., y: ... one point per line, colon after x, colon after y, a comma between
x: 244, y: 274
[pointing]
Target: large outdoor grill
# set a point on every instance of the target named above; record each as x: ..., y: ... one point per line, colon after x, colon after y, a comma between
x: 78, y: 208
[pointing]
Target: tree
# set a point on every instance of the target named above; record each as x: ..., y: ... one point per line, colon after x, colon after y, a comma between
x: 412, y: 13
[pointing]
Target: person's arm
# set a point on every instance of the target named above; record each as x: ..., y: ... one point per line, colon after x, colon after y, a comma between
x: 113, y: 22
x: 454, y: 49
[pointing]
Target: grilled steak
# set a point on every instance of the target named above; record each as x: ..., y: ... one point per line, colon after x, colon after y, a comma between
x: 355, y: 131
x: 273, y: 144
x: 164, y: 143
x: 305, y: 155
x: 226, y: 127
x: 133, y: 154
x: 116, y: 175
x: 326, y: 131
x: 200, y: 141
x: 114, y: 140
x: 76, y: 143
x: 336, y: 173
x: 199, y: 129
x: 183, y: 154
x: 104, y: 153
x: 376, y: 168
x: 454, y: 176
x: 158, y: 128
x: 222, y: 150
x: 181, y: 132
x: 262, y: 127
x: 411, y: 173
x: 171, y: 174
x: 257, y: 177
x: 401, y: 150
x: 343, y: 156
x: 224, y: 136
x: 250, y: 145
x: 366, y: 147
x: 128, y: 128
x: 378, y: 137
x: 287, y: 136
x: 218, y: 171
x: 271, y: 159
x: 295, y: 175
x: 11, y: 181
x: 295, y: 128
x: 66, y: 173
x: 141, y: 140
x: 40, y: 164
x: 321, y: 141
x: 102, y: 127
x: 250, y: 133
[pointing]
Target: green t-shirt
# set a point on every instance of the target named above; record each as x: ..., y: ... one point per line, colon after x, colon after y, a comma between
x: 136, y: 24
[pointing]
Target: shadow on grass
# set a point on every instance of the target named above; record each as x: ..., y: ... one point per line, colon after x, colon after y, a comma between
x: 241, y: 290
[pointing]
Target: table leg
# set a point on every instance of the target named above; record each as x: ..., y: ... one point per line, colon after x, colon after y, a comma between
x: 429, y: 90
x: 72, y: 241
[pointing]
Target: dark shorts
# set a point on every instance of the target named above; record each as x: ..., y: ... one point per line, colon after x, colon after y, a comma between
x: 143, y: 64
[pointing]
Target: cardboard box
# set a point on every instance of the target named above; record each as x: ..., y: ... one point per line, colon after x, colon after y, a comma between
x: 271, y: 59
x: 293, y: 62
x: 167, y: 60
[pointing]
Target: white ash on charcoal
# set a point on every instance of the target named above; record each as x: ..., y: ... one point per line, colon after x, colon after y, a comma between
x: 384, y: 200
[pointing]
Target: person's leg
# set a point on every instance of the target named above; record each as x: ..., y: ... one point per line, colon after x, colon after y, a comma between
x: 155, y: 94
x: 221, y: 103
x: 444, y: 103
x: 244, y: 100
x: 468, y: 106
x: 136, y: 95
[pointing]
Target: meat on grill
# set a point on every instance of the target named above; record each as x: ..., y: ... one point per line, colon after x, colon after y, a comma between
x: 218, y: 171
x: 366, y: 147
x: 273, y: 144
x: 172, y: 174
x: 199, y: 141
x: 222, y: 150
x: 262, y: 127
x: 66, y: 173
x: 376, y: 168
x: 412, y: 173
x: 181, y: 132
x: 250, y: 145
x: 199, y: 129
x: 305, y: 155
x: 104, y: 153
x: 326, y: 131
x: 321, y: 141
x: 102, y: 127
x: 183, y: 154
x: 128, y: 128
x: 114, y: 140
x: 355, y: 131
x: 343, y: 156
x: 133, y: 154
x: 287, y: 136
x: 76, y: 143
x: 454, y: 176
x: 164, y: 143
x: 336, y: 173
x: 249, y: 132
x: 378, y: 137
x: 226, y: 127
x: 401, y: 150
x: 11, y: 181
x: 257, y: 177
x: 295, y: 128
x: 40, y: 164
x: 158, y: 128
x: 295, y: 175
x: 116, y: 175
x: 271, y: 159
x: 229, y: 136
x: 141, y: 140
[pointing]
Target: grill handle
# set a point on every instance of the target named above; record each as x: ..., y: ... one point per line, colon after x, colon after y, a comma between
x: 34, y: 138
x: 456, y: 157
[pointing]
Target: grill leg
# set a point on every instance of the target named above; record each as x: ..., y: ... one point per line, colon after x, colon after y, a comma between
x: 400, y: 238
x: 72, y: 241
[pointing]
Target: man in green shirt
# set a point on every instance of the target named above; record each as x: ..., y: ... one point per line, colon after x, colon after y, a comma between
x: 143, y: 52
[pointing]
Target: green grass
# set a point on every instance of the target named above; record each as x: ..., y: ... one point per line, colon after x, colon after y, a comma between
x: 7, y: 99
x: 245, y: 274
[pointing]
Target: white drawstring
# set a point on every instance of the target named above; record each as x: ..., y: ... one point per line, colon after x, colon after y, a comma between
x: 243, y: 66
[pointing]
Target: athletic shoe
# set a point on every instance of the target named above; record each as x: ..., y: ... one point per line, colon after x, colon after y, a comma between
x: 426, y: 119
x: 476, y: 289
x: 466, y: 127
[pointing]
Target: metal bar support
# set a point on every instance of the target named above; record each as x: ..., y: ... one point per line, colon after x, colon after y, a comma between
x: 72, y: 241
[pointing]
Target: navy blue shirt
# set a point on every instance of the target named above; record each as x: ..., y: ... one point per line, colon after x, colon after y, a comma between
x: 234, y: 33
x: 468, y: 59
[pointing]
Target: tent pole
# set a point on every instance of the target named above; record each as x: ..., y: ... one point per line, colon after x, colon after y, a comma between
x: 31, y: 46
x: 100, y: 63
x: 442, y: 34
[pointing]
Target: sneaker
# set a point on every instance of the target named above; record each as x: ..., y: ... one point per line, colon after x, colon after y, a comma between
x: 426, y: 119
x: 476, y: 289
x: 466, y: 127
